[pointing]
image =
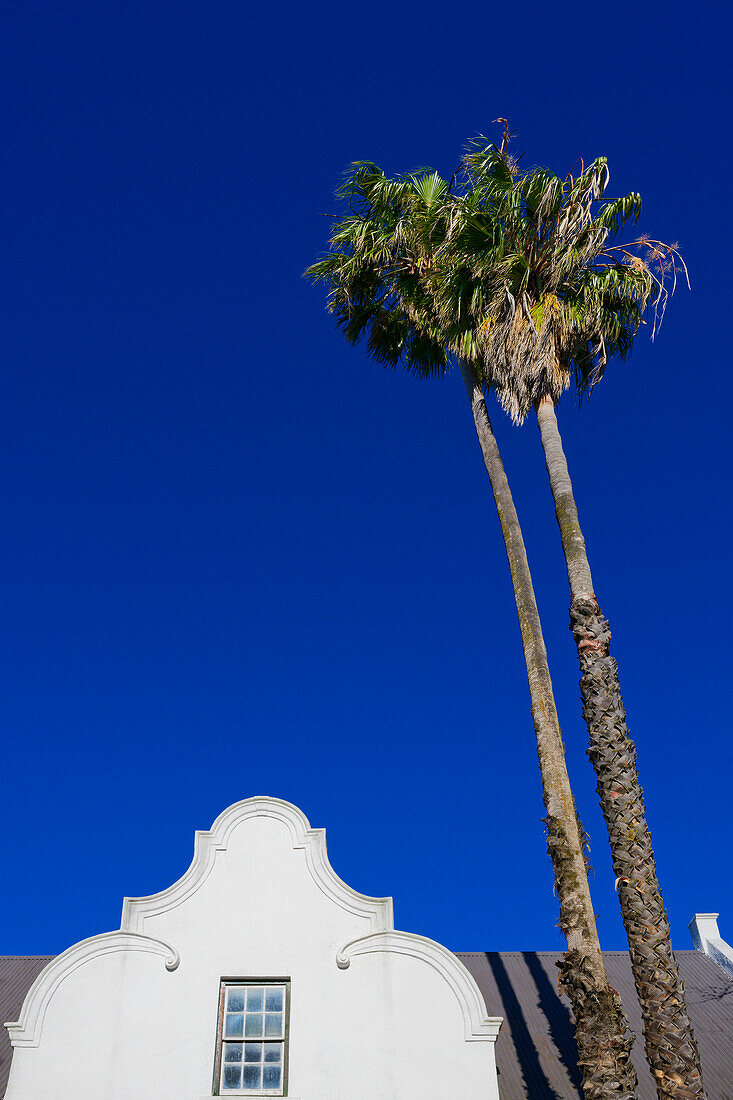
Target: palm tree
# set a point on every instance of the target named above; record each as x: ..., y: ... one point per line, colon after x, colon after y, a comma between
x: 531, y: 259
x: 375, y: 271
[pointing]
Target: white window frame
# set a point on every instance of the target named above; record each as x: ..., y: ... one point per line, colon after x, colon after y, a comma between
x: 221, y: 1041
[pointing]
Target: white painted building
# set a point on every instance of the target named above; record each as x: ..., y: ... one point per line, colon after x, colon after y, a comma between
x: 258, y: 973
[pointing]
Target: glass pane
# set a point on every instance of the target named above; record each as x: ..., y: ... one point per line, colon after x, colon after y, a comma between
x: 232, y: 1077
x: 253, y: 1026
x: 273, y: 1052
x: 274, y: 1000
x: 273, y: 1024
x: 232, y: 1052
x: 253, y: 1052
x: 271, y: 1077
x: 235, y: 1000
x: 252, y: 1076
x: 254, y: 999
x: 233, y: 1025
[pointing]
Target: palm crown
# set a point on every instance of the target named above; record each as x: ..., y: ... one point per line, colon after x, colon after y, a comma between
x: 531, y: 259
x: 517, y: 272
x: 378, y: 263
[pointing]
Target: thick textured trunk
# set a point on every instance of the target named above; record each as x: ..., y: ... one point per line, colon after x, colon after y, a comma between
x: 600, y: 1027
x: 668, y: 1036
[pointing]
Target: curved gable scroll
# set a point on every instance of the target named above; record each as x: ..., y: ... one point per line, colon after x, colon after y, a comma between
x: 208, y: 843
x: 478, y: 1024
x: 26, y: 1032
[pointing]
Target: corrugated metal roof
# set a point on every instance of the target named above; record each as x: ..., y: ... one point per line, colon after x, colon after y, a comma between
x: 535, y: 1051
x: 17, y: 974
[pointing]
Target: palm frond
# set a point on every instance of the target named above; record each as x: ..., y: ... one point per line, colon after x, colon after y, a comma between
x: 617, y: 213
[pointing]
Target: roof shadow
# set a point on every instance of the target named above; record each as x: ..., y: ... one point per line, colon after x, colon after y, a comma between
x: 560, y: 1022
x: 536, y: 1081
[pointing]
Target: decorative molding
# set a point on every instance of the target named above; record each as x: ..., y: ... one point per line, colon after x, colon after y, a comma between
x: 26, y: 1032
x: 477, y: 1023
x: 206, y: 845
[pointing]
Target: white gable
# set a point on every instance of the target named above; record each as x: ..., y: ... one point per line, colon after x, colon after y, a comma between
x: 374, y: 1014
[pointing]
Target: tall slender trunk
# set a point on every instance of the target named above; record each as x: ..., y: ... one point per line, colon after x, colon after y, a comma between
x: 668, y: 1036
x: 600, y: 1026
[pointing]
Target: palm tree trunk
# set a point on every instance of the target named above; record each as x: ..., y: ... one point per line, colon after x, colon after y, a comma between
x: 668, y: 1036
x: 600, y: 1026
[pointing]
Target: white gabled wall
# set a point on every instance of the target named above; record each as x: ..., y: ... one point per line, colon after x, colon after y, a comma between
x: 375, y: 1014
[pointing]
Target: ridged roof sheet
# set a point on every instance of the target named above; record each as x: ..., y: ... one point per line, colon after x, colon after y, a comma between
x: 536, y: 1054
x: 17, y: 974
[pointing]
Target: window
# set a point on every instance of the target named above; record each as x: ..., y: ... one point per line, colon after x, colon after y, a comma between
x: 251, y: 1049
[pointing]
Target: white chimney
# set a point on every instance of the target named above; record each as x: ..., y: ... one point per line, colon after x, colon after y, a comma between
x: 706, y: 938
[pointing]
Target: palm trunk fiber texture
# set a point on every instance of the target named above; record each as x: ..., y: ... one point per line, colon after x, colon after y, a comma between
x: 603, y: 1040
x: 669, y: 1039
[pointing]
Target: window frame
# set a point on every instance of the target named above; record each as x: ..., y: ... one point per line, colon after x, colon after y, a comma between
x: 224, y: 984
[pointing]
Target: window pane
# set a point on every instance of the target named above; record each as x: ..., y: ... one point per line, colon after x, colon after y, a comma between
x: 271, y: 1077
x: 253, y: 1026
x: 233, y: 1025
x: 254, y: 999
x: 253, y: 1052
x: 273, y: 1052
x: 274, y: 1000
x: 235, y: 1000
x: 252, y: 1077
x: 232, y: 1052
x: 232, y: 1077
x: 273, y: 1024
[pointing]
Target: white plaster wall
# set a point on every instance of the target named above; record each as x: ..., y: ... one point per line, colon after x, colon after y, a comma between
x: 400, y: 1022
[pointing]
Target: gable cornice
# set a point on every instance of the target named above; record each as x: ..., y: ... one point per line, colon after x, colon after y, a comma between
x: 478, y: 1025
x: 207, y: 843
x: 26, y: 1031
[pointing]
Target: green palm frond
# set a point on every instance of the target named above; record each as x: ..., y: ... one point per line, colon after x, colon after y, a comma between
x: 375, y: 268
x: 619, y: 212
x: 430, y: 188
x: 489, y: 167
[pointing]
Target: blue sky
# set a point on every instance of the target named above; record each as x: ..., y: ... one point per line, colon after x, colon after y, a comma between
x: 239, y: 558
